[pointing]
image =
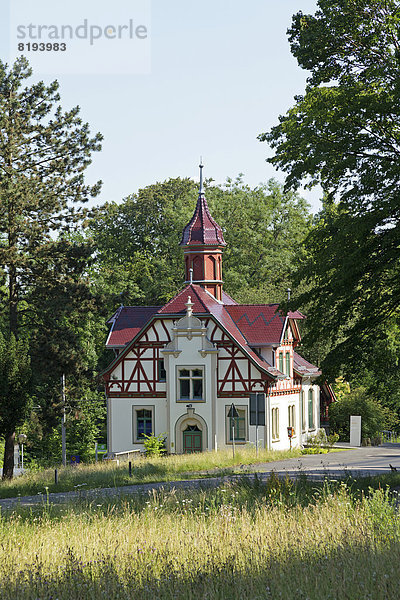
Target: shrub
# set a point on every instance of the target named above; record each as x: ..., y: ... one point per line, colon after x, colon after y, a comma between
x: 154, y: 445
x: 374, y: 417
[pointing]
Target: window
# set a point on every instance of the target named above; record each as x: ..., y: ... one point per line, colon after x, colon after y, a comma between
x: 288, y: 363
x: 273, y: 357
x: 240, y: 424
x: 161, y: 372
x: 190, y: 384
x: 311, y: 409
x: 275, y: 423
x: 303, y: 411
x: 143, y: 422
x: 292, y: 417
x: 281, y: 362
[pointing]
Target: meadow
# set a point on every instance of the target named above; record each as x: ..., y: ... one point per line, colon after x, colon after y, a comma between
x: 248, y: 539
x: 144, y: 470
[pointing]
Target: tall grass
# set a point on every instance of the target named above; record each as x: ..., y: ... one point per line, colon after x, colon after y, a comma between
x: 145, y: 470
x: 245, y: 540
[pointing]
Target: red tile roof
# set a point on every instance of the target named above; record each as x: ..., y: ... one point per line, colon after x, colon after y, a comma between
x: 248, y: 325
x: 302, y: 366
x: 227, y: 299
x: 127, y: 322
x: 202, y: 229
x: 296, y: 315
x: 200, y: 298
x: 261, y: 324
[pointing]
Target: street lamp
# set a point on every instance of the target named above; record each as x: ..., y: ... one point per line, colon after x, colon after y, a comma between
x: 22, y: 439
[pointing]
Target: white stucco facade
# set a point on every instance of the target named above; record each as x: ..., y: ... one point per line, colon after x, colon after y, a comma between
x: 202, y: 351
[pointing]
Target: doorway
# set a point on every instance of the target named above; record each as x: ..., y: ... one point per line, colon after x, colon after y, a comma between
x: 192, y: 439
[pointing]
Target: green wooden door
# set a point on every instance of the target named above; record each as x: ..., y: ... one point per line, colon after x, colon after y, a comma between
x: 192, y: 439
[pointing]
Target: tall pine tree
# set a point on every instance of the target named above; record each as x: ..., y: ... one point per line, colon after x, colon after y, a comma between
x: 43, y: 155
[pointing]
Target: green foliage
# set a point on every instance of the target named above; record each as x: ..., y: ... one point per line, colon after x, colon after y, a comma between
x: 374, y: 416
x: 15, y: 393
x: 154, y: 445
x: 139, y: 260
x: 15, y: 383
x: 45, y: 296
x: 344, y: 133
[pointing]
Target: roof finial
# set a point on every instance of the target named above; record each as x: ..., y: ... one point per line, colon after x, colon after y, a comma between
x: 201, y: 189
x: 189, y: 307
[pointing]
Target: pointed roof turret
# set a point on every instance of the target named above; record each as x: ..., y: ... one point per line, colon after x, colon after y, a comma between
x: 202, y: 229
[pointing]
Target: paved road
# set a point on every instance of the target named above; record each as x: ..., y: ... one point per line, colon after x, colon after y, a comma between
x: 358, y: 462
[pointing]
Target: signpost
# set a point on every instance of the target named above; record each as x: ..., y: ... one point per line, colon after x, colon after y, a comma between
x: 233, y: 414
x: 257, y: 413
x: 290, y: 432
x: 22, y: 439
x: 102, y: 448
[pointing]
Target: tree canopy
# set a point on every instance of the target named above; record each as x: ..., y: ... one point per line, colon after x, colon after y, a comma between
x: 44, y: 291
x: 139, y: 260
x: 344, y: 133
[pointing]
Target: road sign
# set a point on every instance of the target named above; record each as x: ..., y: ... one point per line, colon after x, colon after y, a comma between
x: 257, y: 409
x: 102, y: 447
x: 233, y: 413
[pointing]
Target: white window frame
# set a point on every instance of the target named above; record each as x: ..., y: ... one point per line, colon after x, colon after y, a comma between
x: 275, y: 423
x: 135, y: 409
x: 303, y: 411
x: 190, y: 368
x: 292, y: 417
x: 311, y: 395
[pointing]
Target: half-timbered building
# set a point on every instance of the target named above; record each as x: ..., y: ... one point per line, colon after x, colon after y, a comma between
x: 178, y: 368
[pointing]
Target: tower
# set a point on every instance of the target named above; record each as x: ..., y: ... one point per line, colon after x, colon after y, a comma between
x: 202, y: 242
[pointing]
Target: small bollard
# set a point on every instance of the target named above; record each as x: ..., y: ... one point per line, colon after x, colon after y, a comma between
x: 56, y: 476
x: 130, y: 469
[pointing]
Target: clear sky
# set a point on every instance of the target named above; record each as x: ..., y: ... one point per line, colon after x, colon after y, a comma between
x: 221, y: 73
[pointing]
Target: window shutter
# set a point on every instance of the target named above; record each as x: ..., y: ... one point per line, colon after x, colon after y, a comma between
x: 253, y: 409
x: 257, y: 409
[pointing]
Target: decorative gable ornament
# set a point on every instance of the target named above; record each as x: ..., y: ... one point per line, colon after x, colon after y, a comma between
x: 189, y: 326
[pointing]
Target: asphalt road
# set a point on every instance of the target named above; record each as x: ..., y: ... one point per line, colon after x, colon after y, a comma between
x: 356, y: 462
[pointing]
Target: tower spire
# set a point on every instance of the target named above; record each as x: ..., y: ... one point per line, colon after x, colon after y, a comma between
x: 202, y: 241
x: 201, y: 166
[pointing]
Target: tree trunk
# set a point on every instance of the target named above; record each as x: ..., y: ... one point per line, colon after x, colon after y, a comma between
x: 8, y: 464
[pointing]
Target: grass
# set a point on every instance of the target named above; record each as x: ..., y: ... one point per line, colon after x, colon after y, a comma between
x: 253, y: 540
x: 145, y: 470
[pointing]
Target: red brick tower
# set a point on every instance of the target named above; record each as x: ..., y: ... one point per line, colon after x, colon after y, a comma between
x: 202, y: 242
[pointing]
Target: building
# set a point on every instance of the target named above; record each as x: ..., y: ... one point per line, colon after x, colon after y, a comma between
x: 178, y: 368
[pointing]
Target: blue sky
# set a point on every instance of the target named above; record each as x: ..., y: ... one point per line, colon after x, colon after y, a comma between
x: 221, y: 73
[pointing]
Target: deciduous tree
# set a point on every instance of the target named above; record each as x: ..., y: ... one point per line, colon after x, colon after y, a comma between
x: 344, y: 133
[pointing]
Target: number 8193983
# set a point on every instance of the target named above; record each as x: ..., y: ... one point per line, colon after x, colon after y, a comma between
x: 42, y: 47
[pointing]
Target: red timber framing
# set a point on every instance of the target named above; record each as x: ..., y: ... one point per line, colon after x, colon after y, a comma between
x: 237, y: 381
x: 142, y: 382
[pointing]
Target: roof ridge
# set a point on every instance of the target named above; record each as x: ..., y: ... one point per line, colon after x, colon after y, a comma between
x: 143, y: 306
x: 272, y: 304
x: 192, y: 286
